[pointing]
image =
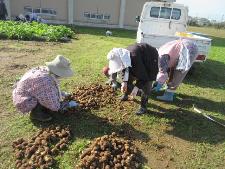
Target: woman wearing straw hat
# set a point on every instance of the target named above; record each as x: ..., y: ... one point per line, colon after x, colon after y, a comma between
x: 38, y: 90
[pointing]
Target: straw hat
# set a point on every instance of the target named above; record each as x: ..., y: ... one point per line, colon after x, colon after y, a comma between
x: 60, y: 66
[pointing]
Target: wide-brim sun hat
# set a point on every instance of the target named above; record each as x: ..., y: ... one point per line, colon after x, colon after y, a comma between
x: 60, y: 66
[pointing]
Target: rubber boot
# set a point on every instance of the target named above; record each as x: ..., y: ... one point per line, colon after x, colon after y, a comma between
x: 40, y: 113
x: 168, y: 96
x: 143, y: 108
x: 124, y: 97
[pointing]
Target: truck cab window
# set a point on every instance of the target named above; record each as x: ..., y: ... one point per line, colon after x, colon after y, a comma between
x: 176, y: 14
x: 165, y: 13
x: 154, y: 12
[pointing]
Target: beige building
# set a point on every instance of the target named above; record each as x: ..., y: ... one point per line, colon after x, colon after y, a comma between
x: 98, y: 13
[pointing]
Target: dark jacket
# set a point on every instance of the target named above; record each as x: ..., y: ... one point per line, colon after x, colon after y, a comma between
x: 144, y: 62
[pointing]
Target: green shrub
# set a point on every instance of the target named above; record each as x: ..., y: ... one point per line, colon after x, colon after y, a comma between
x: 34, y: 31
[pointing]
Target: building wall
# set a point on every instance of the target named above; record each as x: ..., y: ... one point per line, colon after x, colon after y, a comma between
x: 133, y: 9
x: 18, y: 8
x: 110, y: 7
x: 61, y: 7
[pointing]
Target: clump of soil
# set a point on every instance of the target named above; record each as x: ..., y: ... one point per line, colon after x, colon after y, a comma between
x: 94, y: 96
x: 110, y: 152
x: 40, y: 150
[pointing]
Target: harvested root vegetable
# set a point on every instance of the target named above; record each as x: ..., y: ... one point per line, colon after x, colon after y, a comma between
x: 40, y: 150
x: 110, y: 151
x: 94, y: 96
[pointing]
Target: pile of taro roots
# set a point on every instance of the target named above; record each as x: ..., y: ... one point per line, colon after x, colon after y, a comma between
x: 94, y: 96
x: 40, y: 150
x: 110, y: 152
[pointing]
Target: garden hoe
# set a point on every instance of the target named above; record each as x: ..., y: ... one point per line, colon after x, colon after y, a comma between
x: 208, y: 117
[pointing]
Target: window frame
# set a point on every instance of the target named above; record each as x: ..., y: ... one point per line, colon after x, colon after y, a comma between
x: 92, y: 14
x: 106, y: 17
x: 102, y: 16
x: 179, y: 13
x: 96, y: 16
x: 36, y: 9
x: 171, y: 13
x: 158, y: 12
x: 87, y: 15
x: 164, y: 17
x: 28, y: 7
x: 51, y: 11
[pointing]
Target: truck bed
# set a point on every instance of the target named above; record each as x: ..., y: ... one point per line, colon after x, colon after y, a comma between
x: 157, y: 40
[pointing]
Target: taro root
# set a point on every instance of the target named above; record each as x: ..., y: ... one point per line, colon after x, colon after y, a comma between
x: 94, y: 96
x: 37, y: 140
x: 40, y: 150
x: 47, y: 158
x: 109, y: 151
x: 19, y: 155
x: 54, y: 151
x: 62, y: 146
x: 18, y: 165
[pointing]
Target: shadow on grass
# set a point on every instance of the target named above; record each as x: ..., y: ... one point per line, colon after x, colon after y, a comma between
x: 89, y: 126
x: 217, y: 41
x: 186, y: 101
x: 191, y: 126
x: 209, y: 74
x: 121, y: 33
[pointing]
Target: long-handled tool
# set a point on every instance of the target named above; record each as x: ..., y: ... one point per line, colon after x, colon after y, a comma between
x: 208, y: 117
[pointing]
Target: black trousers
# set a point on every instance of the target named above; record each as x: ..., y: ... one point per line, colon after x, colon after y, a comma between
x: 146, y: 88
x: 39, y: 108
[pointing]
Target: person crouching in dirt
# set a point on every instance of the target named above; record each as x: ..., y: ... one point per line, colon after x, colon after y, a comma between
x: 138, y: 62
x: 38, y: 90
x: 175, y: 57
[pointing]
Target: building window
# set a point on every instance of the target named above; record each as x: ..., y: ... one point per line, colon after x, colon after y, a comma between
x: 37, y: 10
x: 48, y: 11
x: 87, y: 14
x: 27, y: 9
x: 40, y: 11
x: 97, y: 16
x: 93, y: 16
x: 107, y: 17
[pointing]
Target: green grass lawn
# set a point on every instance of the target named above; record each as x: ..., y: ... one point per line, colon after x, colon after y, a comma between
x: 169, y: 136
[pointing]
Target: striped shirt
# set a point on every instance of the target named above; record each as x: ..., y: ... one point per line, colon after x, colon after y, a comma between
x: 37, y: 86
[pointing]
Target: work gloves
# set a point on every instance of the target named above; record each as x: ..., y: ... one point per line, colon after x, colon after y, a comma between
x: 66, y: 105
x: 157, y: 87
x: 65, y: 94
x: 115, y: 85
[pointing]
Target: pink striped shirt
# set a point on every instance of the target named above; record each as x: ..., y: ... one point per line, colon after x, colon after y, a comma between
x: 37, y: 86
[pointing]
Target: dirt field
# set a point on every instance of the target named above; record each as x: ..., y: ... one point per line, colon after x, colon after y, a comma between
x: 17, y: 57
x: 170, y: 135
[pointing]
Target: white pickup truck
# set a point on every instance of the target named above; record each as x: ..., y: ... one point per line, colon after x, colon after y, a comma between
x: 161, y: 22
